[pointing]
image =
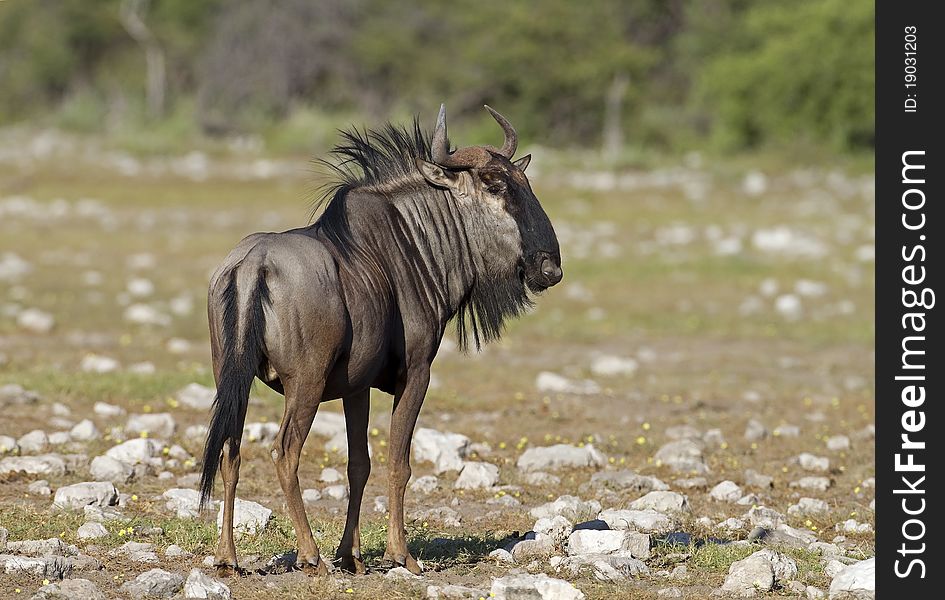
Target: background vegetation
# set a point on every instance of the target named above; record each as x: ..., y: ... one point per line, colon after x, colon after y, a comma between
x: 667, y: 75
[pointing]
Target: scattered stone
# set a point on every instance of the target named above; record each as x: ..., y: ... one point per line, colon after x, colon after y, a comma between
x: 79, y: 495
x: 330, y: 475
x: 662, y: 501
x: 691, y: 483
x: 791, y: 431
x: 548, y: 382
x: 569, y: 507
x: 761, y: 516
x: 810, y: 462
x: 757, y: 480
x: 93, y: 363
x: 504, y: 500
x: 540, y: 478
x: 40, y: 488
x: 33, y: 442
x: 538, y: 587
x: 555, y: 528
x: 311, y: 495
x: 85, y: 431
x: 644, y: 521
x: 261, y: 433
x: 832, y: 567
x: 12, y: 393
x: 196, y: 396
x: 808, y: 507
x: 249, y: 518
x: 199, y: 585
x: 855, y: 582
x: 400, y: 573
x: 106, y: 468
x: 552, y: 458
x: 477, y: 475
x: 670, y: 592
x: 48, y: 547
x: 137, y: 552
x: 713, y: 437
x: 682, y: 456
x: 91, y: 531
x: 157, y: 424
x: 50, y: 567
x: 533, y: 547
x: 101, y: 514
x: 627, y: 480
x: 424, y: 485
x: 758, y: 573
x: 815, y: 593
x: 155, y: 583
x: 605, y: 567
x: 175, y: 551
x: 103, y: 409
x: 609, y: 541
x: 726, y: 491
x: 683, y: 432
x: 733, y: 524
x: 445, y: 450
x: 502, y: 555
x: 184, y: 502
x: 755, y: 431
x: 328, y: 424
x: 7, y: 444
x: 608, y: 366
x: 69, y: 589
x: 852, y: 526
x: 817, y: 484
x: 836, y: 443
x: 136, y: 451
x: 443, y: 514
x: 336, y: 492
x: 35, y: 320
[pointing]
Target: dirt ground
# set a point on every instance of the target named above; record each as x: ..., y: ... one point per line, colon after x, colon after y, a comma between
x: 732, y: 293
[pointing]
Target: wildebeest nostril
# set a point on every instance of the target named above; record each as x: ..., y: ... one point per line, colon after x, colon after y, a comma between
x: 551, y: 271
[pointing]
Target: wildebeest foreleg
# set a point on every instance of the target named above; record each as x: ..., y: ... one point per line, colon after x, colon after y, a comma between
x: 357, y: 408
x: 407, y: 402
x: 301, y: 404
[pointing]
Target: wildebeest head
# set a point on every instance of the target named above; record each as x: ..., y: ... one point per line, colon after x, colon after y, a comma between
x: 494, y: 189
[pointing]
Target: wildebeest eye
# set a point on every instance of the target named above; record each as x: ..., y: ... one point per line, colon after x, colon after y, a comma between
x: 496, y: 188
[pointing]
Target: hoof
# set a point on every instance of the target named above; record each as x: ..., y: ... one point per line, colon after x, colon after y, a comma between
x: 351, y: 564
x: 316, y: 569
x: 225, y: 570
x: 404, y: 560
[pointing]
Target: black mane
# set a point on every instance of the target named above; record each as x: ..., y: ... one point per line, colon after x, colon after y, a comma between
x: 373, y: 157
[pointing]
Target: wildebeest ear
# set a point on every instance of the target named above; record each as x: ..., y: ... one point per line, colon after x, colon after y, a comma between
x: 435, y: 174
x: 522, y: 163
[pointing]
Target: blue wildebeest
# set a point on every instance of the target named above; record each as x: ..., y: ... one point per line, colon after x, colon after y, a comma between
x: 412, y: 236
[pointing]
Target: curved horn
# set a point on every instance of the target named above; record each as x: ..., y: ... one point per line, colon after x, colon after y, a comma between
x: 463, y: 158
x: 511, y: 138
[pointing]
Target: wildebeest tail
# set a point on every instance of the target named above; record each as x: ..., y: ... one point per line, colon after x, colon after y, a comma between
x: 242, y: 352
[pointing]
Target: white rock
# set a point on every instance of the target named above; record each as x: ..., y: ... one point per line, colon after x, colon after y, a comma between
x: 761, y: 516
x: 556, y: 528
x: 69, y: 589
x: 454, y: 592
x: 328, y: 424
x: 623, y: 480
x: 12, y: 267
x: 548, y: 382
x: 44, y: 464
x: 551, y: 458
x: 644, y: 521
x: 445, y: 450
x: 837, y: 443
x: 311, y: 495
x: 145, y: 314
x: 759, y: 572
x: 79, y: 495
x: 142, y: 368
x: 540, y: 478
x: 103, y: 409
x: 330, y: 475
x: 7, y: 444
x: 51, y: 567
x: 813, y: 463
x: 155, y: 424
x: 175, y: 551
x: 40, y: 488
x: 755, y: 431
x: 85, y: 431
x: 815, y: 593
x: 477, y: 475
x: 664, y: 502
x: 196, y: 396
x: 139, y: 450
x: 791, y: 431
x: 91, y: 531
x: 35, y: 320
x: 852, y: 526
x: 537, y: 587
x: 682, y: 456
x: 569, y: 507
x: 605, y: 567
x: 184, y: 502
x: 336, y: 492
x: 155, y: 583
x: 12, y: 393
x: 857, y: 581
x: 817, y: 484
x: 789, y: 306
x: 93, y: 363
x: 608, y: 541
x: 249, y: 518
x: 262, y: 433
x: 726, y: 491
x: 424, y: 485
x: 106, y: 468
x: 613, y: 365
x: 34, y: 442
x: 199, y: 585
x: 807, y: 507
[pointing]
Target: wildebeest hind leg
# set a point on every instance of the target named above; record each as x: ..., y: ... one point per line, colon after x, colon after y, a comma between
x: 357, y: 408
x: 407, y: 402
x: 225, y: 559
x: 301, y: 404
